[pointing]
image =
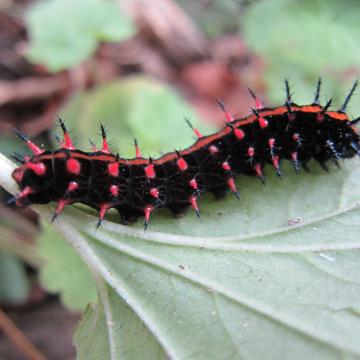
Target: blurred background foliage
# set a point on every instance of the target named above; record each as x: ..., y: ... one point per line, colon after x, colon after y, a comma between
x: 141, y: 67
x: 62, y: 34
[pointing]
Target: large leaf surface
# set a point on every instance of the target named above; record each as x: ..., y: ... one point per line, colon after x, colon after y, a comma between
x: 63, y: 271
x: 240, y: 283
x: 263, y: 289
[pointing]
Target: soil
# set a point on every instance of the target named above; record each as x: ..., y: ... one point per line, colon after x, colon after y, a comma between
x: 49, y: 327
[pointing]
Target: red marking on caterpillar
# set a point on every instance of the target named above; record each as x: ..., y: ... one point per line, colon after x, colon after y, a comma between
x: 182, y: 164
x: 114, y: 190
x: 73, y: 166
x: 147, y: 211
x: 137, y: 149
x: 251, y: 152
x: 24, y: 193
x: 150, y: 171
x: 38, y: 168
x: 193, y: 184
x: 239, y: 134
x: 137, y: 187
x: 73, y: 185
x: 113, y: 169
x: 154, y: 192
x: 213, y: 149
x: 60, y: 207
x: 225, y: 165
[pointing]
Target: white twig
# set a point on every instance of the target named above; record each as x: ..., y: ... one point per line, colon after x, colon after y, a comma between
x: 6, y: 181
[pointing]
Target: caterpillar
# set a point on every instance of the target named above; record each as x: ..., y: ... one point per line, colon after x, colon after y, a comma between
x: 137, y: 187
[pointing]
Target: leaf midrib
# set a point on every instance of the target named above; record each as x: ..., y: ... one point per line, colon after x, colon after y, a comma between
x: 201, y: 241
x: 243, y: 300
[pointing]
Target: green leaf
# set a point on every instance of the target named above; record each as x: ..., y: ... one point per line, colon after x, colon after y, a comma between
x: 311, y: 38
x: 14, y: 284
x: 64, y: 32
x: 239, y: 283
x: 63, y: 271
x: 96, y: 346
x: 137, y: 106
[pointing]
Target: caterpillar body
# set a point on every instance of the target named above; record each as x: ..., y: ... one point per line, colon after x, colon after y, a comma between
x: 137, y: 187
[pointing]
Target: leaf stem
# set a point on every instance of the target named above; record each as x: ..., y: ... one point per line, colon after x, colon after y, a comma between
x: 6, y: 181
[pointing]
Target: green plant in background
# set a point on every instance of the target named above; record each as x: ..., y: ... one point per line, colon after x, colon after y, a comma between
x: 136, y: 106
x: 303, y: 40
x: 65, y: 32
x: 14, y: 285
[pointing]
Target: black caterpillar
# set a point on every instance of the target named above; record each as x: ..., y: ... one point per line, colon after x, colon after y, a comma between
x: 138, y: 186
